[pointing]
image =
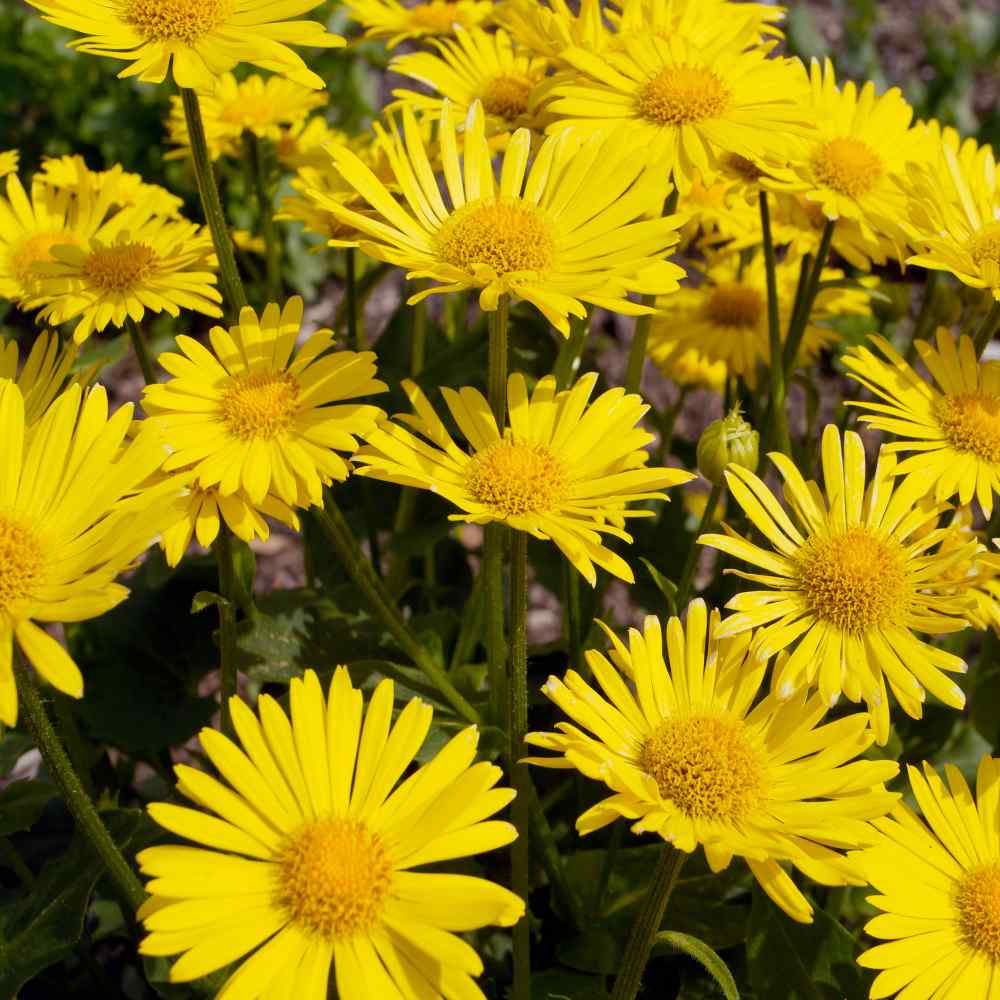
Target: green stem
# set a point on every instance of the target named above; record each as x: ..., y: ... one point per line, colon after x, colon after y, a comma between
x: 925, y: 317
x: 987, y: 329
x: 517, y: 726
x: 543, y: 844
x: 570, y: 350
x: 229, y: 277
x: 418, y: 343
x: 265, y: 209
x: 638, y: 347
x: 647, y: 924
x: 373, y: 590
x: 57, y: 762
x: 226, y: 563
x: 141, y: 349
x: 496, y: 384
x: 607, y: 868
x: 667, y: 423
x: 776, y: 366
x: 797, y: 329
x: 355, y: 328
x: 687, y: 574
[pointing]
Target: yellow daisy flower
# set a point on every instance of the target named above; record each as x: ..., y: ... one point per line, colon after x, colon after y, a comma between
x: 665, y: 18
x: 938, y: 885
x: 306, y: 856
x: 689, y: 757
x: 476, y: 66
x: 202, y: 38
x: 394, y: 22
x: 262, y: 107
x: 688, y: 104
x: 977, y: 575
x: 303, y: 144
x: 685, y: 366
x: 725, y: 317
x: 134, y: 263
x: 571, y: 229
x: 256, y: 414
x: 950, y: 421
x: 8, y: 161
x: 851, y: 580
x: 44, y: 375
x: 564, y: 469
x: 548, y: 28
x: 73, y: 516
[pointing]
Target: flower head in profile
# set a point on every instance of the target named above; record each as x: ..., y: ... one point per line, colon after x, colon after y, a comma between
x: 310, y: 849
x: 686, y: 366
x: 195, y: 40
x: 977, y: 575
x: 258, y: 415
x: 74, y: 514
x: 8, y: 161
x: 396, y: 22
x: 937, y: 881
x: 564, y: 468
x: 850, y: 578
x: 570, y: 229
x: 675, y: 734
x: 45, y: 373
x: 950, y: 420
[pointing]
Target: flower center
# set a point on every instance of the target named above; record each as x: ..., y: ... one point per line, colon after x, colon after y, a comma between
x: 682, y: 94
x: 437, y: 16
x: 706, y: 766
x: 21, y: 560
x: 971, y: 422
x: 261, y: 405
x: 978, y: 904
x: 335, y: 875
x: 120, y: 268
x: 735, y: 305
x: 854, y: 580
x: 515, y: 478
x: 36, y: 249
x: 504, y: 234
x: 984, y: 247
x: 745, y: 169
x: 185, y: 21
x: 507, y: 96
x: 849, y: 166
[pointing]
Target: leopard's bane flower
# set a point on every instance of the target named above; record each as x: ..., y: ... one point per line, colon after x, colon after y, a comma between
x: 309, y: 853
x: 951, y: 420
x: 938, y: 885
x: 44, y: 375
x: 563, y: 469
x: 256, y: 414
x: 396, y: 22
x: 678, y: 735
x: 74, y: 514
x: 8, y: 161
x: 202, y: 38
x: 851, y: 580
x: 571, y: 229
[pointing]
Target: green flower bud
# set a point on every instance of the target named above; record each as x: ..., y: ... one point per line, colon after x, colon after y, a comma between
x: 725, y: 441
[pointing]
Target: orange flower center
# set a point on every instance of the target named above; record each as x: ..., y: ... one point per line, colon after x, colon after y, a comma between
x: 849, y: 166
x: 682, y: 94
x: 706, y: 766
x: 120, y: 268
x: 517, y: 478
x: 505, y: 235
x: 978, y: 903
x: 971, y: 423
x: 507, y: 96
x: 735, y: 306
x: 186, y: 21
x: 335, y: 876
x: 261, y: 405
x: 22, y: 560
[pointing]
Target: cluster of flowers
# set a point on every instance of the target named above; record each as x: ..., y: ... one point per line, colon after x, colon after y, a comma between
x: 554, y: 156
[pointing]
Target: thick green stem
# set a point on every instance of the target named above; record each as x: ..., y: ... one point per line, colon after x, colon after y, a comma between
x: 798, y: 326
x: 647, y: 924
x: 57, y: 762
x: 355, y: 328
x: 687, y: 574
x: 229, y: 276
x: 987, y: 329
x: 226, y: 562
x: 776, y: 364
x: 331, y: 520
x: 496, y: 385
x: 265, y: 209
x: 570, y: 350
x: 141, y: 349
x: 637, y: 349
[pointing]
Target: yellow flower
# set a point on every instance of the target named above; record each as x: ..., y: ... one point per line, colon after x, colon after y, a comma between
x: 687, y: 366
x: 977, y: 575
x: 133, y: 263
x: 73, y: 516
x: 262, y: 107
x: 45, y: 373
x: 203, y: 38
x: 938, y: 885
x: 725, y: 317
x: 476, y: 66
x: 951, y: 421
x: 665, y: 18
x: 302, y: 144
x: 8, y: 161
x: 548, y: 28
x: 569, y: 230
x: 686, y: 104
x: 305, y: 856
x: 690, y: 757
x: 850, y: 581
x: 563, y: 469
x: 257, y: 415
x: 396, y: 23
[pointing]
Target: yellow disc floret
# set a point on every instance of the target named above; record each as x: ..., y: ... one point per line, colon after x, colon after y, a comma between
x: 335, y: 877
x: 516, y: 478
x: 706, y: 766
x: 506, y: 235
x: 682, y: 94
x: 119, y: 268
x: 850, y: 166
x: 22, y: 560
x: 971, y: 423
x: 978, y: 904
x: 855, y: 580
x: 735, y: 305
x: 260, y: 405
x: 176, y: 20
x: 507, y: 96
x: 984, y: 247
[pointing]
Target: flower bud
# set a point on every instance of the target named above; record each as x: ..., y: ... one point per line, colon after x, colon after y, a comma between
x: 725, y: 441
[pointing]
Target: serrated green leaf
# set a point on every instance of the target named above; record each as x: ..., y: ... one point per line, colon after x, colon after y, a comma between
x: 705, y: 956
x: 21, y: 803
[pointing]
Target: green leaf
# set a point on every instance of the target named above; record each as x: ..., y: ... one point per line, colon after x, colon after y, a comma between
x: 207, y: 599
x: 705, y: 956
x: 22, y: 803
x: 667, y: 587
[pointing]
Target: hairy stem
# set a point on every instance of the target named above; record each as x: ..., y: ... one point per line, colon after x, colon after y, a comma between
x: 141, y: 349
x: 776, y: 366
